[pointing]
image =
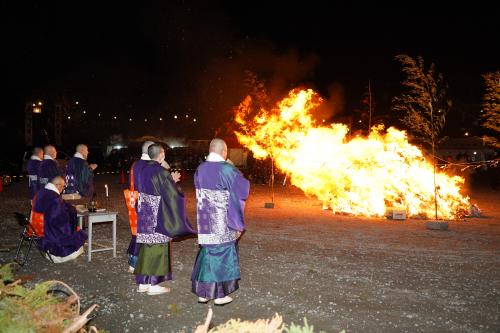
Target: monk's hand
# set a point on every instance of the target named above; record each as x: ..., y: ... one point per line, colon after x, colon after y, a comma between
x: 238, y: 234
x: 176, y: 176
x: 93, y: 166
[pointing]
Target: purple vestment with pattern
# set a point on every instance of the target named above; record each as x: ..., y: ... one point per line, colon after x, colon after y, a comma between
x: 161, y: 207
x: 221, y: 192
x: 160, y: 218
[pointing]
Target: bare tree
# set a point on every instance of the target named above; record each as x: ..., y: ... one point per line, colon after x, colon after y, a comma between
x: 491, y: 107
x: 423, y: 102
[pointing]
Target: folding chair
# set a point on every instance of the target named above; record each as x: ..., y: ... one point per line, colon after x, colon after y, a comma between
x: 30, y: 235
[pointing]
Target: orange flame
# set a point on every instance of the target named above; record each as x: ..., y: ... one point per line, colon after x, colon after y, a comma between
x: 363, y: 176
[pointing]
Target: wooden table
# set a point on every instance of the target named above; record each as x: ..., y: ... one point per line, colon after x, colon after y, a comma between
x: 93, y: 218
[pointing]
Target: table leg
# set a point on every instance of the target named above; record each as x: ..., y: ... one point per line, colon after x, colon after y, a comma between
x: 89, y: 222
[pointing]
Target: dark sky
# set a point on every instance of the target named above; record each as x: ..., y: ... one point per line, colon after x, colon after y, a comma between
x: 156, y: 60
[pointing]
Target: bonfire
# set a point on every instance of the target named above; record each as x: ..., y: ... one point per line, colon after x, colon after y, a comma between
x: 360, y: 175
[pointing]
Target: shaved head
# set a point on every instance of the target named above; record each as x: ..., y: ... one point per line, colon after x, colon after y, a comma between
x: 57, y: 180
x: 37, y: 151
x: 83, y: 149
x: 50, y: 150
x: 59, y: 183
x: 219, y: 147
x: 145, y: 146
x: 156, y: 152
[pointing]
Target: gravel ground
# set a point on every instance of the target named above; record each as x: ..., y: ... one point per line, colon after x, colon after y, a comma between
x: 341, y: 272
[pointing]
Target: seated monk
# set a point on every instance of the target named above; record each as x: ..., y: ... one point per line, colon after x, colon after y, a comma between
x: 61, y: 239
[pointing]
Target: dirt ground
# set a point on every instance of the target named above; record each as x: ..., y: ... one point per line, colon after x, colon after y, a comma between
x: 340, y: 272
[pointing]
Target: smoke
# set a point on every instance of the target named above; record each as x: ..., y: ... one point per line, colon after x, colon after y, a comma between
x: 223, y: 83
x: 333, y: 104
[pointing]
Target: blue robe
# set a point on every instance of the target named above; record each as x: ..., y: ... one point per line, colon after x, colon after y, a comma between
x: 161, y: 217
x: 47, y: 171
x: 79, y: 178
x: 61, y: 238
x: 33, y: 167
x: 221, y: 192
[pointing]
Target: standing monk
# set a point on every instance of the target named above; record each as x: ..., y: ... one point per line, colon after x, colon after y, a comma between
x: 221, y: 192
x: 79, y: 174
x: 49, y: 168
x: 135, y: 171
x: 32, y: 168
x: 161, y: 218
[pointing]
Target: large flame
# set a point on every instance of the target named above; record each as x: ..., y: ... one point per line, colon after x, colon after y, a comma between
x: 362, y: 176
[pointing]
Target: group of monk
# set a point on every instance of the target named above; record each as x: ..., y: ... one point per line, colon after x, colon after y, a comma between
x: 221, y: 192
x: 54, y: 218
x: 157, y: 216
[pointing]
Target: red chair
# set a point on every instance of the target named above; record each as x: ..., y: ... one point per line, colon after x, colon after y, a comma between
x: 32, y: 234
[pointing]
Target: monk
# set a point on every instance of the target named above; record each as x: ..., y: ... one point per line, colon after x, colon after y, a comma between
x: 221, y: 192
x: 61, y: 239
x: 161, y: 218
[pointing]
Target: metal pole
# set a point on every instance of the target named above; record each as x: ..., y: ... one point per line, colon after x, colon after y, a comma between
x: 272, y: 179
x: 434, y: 162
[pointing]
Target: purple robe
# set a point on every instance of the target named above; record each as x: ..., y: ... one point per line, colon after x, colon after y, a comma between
x: 47, y: 171
x: 161, y: 212
x: 32, y: 167
x: 221, y: 192
x: 60, y: 235
x: 137, y: 167
x: 79, y: 178
x: 161, y: 217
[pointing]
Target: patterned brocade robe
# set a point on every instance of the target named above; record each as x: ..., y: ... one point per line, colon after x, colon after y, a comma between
x: 161, y: 207
x: 221, y: 192
x: 160, y: 218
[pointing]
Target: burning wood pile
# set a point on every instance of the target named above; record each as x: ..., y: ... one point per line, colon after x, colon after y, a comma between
x: 360, y: 175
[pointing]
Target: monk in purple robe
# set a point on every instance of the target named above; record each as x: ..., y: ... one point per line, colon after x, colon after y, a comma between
x: 161, y: 218
x: 49, y: 168
x: 32, y: 168
x: 135, y: 171
x: 221, y: 192
x: 61, y: 238
x: 80, y: 174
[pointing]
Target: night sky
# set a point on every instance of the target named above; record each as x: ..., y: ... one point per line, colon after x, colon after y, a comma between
x: 146, y: 61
